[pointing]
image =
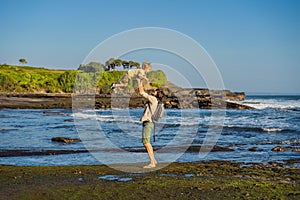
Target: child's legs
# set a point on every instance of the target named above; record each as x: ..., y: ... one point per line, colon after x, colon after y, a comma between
x: 123, y: 81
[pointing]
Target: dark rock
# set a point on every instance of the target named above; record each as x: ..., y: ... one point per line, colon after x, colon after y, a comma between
x: 252, y: 149
x: 213, y: 149
x: 65, y: 140
x: 14, y: 153
x: 53, y: 113
x: 279, y: 148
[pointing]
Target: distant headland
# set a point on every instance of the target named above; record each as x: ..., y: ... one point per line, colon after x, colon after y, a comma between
x: 41, y: 88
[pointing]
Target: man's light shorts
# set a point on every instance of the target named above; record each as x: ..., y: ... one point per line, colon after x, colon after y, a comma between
x: 147, y: 129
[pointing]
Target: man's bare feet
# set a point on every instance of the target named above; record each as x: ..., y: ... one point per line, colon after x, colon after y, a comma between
x: 149, y: 166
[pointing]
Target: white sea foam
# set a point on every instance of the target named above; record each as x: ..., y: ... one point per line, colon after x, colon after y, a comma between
x: 272, y: 129
x: 135, y: 118
x: 83, y: 115
x: 270, y: 103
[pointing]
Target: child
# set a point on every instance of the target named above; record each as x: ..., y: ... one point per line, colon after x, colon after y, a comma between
x: 138, y: 74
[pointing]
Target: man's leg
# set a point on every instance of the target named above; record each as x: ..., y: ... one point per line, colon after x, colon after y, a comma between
x: 146, y: 133
x: 149, y: 149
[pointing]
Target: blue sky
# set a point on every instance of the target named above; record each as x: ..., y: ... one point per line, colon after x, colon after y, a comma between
x: 255, y: 43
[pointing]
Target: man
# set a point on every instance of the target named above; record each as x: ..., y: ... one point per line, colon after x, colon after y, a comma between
x: 148, y: 124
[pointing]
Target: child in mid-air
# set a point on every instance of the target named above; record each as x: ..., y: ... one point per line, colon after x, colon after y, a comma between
x: 138, y: 74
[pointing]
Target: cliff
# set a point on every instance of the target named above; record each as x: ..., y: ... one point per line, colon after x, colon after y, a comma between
x: 203, y: 98
x: 31, y: 87
x: 179, y: 98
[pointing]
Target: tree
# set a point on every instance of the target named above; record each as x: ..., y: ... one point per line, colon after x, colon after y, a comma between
x: 110, y: 64
x: 134, y: 64
x: 125, y: 64
x: 23, y: 61
x: 137, y: 65
x: 91, y: 67
x: 118, y: 62
x: 131, y: 64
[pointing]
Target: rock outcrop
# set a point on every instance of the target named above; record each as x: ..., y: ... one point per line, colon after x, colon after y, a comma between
x: 65, y: 140
x: 202, y: 98
x: 174, y: 97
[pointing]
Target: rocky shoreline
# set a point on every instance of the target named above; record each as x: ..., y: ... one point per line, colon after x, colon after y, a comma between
x: 198, y: 180
x: 24, y: 152
x: 175, y: 97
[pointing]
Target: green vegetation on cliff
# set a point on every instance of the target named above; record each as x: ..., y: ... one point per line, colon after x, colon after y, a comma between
x: 157, y: 78
x: 29, y: 79
x: 42, y: 80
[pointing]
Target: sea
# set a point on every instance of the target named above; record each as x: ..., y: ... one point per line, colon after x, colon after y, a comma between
x: 112, y: 136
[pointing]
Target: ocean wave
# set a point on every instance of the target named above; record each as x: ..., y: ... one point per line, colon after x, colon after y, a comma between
x: 167, y: 120
x: 291, y: 141
x: 257, y: 129
x: 122, y: 120
x: 81, y: 115
x: 273, y: 130
x: 273, y: 103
